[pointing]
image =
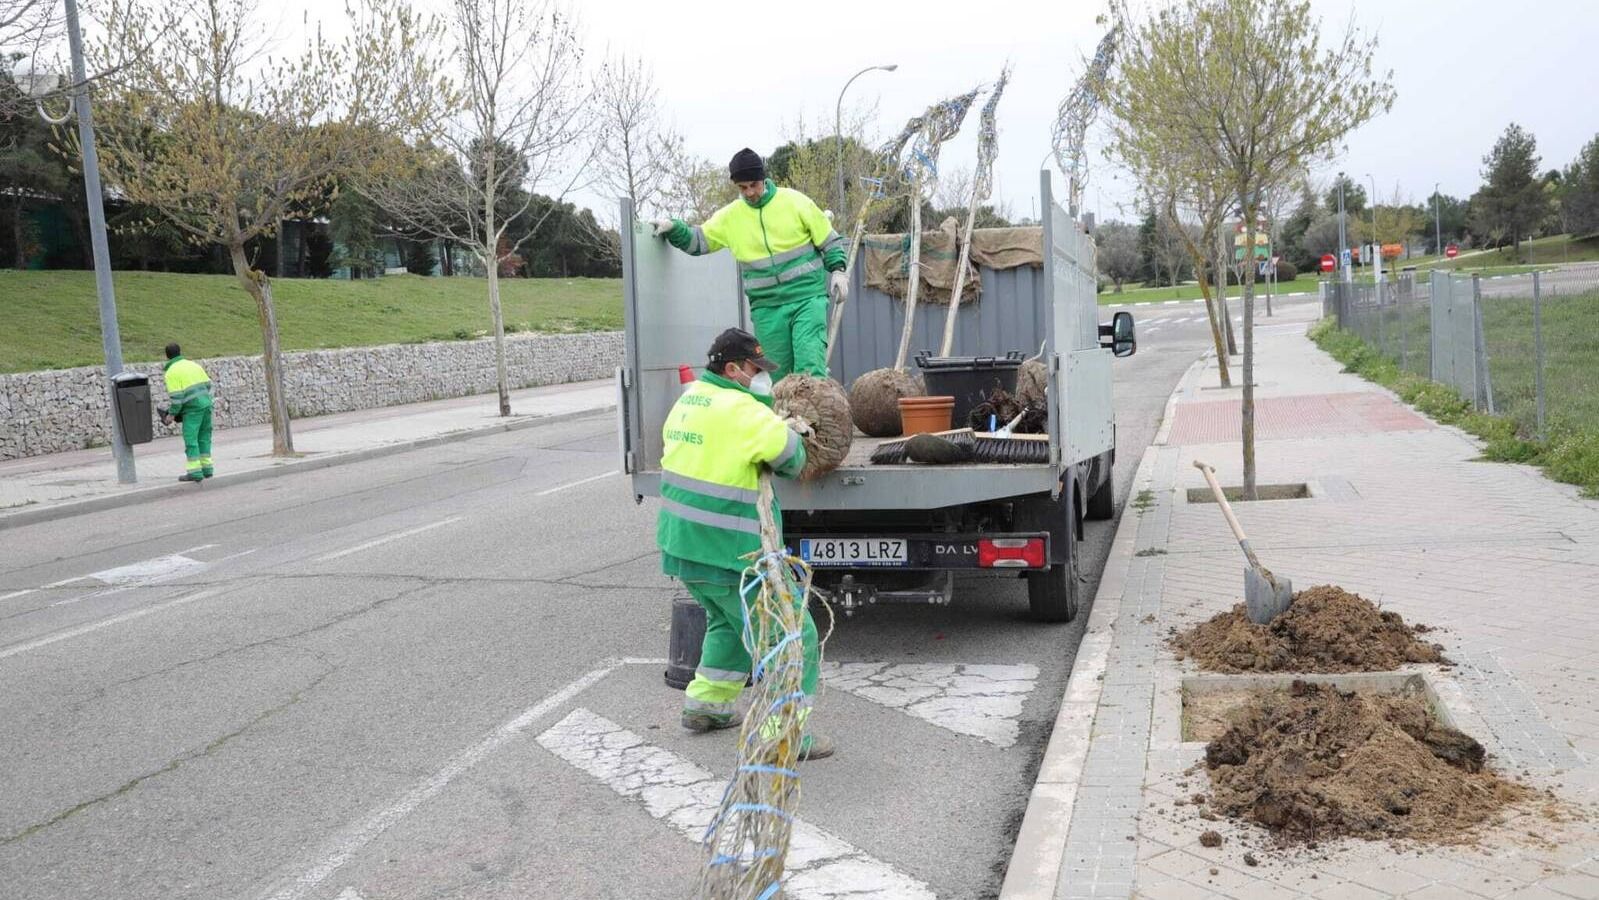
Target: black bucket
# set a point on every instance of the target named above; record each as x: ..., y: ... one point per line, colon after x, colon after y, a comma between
x: 684, y: 640
x: 969, y: 379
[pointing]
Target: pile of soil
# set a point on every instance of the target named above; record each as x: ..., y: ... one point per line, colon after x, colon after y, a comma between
x: 1327, y: 629
x: 1313, y: 763
x: 822, y: 404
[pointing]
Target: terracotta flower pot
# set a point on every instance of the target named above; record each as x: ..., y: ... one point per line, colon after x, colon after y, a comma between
x: 926, y: 414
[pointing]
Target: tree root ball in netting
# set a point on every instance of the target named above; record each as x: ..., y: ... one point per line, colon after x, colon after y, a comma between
x: 874, y: 400
x: 821, y: 403
x: 1031, y: 383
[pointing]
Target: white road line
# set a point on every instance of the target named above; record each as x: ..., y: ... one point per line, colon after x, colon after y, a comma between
x: 223, y: 559
x: 557, y: 490
x: 18, y: 593
x: 49, y: 639
x: 982, y: 701
x: 1170, y: 302
x: 344, y: 848
x: 390, y: 537
x: 819, y: 865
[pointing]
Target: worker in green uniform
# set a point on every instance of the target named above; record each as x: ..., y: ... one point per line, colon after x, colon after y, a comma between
x: 189, y: 390
x: 718, y: 436
x: 790, y: 260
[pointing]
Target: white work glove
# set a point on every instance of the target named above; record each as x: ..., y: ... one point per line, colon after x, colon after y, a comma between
x: 662, y: 227
x: 799, y: 426
x: 838, y: 286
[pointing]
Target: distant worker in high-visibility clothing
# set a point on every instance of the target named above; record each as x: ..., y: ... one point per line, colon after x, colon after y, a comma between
x: 189, y: 389
x: 790, y: 260
x: 718, y: 436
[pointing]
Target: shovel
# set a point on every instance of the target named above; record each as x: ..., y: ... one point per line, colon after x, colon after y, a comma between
x: 1266, y: 595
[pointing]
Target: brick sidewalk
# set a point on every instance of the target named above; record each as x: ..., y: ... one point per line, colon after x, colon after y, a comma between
x: 1504, y: 562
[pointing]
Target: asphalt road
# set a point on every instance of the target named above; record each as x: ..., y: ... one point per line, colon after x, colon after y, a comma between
x: 438, y: 675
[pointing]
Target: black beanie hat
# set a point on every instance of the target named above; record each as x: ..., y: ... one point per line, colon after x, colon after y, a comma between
x: 747, y: 165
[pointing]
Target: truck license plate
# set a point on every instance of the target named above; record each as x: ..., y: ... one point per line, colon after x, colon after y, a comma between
x: 854, y: 551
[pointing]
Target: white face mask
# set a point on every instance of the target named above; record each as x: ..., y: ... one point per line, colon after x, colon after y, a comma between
x: 761, y: 384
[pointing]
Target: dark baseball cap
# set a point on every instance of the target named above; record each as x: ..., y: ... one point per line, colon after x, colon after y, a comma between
x: 736, y: 345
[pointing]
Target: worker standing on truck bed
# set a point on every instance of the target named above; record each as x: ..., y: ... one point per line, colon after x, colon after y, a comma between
x: 790, y: 260
x: 717, y: 437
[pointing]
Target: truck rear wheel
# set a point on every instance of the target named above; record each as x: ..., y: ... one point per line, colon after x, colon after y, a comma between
x: 1052, y: 593
x: 1102, y: 502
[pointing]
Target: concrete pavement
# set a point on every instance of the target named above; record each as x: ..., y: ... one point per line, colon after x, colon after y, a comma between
x: 1497, y: 557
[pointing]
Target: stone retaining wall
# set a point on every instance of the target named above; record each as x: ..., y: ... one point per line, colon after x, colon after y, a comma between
x: 66, y: 409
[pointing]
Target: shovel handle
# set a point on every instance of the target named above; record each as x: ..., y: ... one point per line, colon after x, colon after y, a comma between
x: 1227, y: 512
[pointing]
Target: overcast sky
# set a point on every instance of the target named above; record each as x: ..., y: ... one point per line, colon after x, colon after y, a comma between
x: 733, y: 74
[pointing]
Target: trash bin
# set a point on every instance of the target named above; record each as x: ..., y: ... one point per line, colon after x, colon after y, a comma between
x: 132, y: 393
x: 969, y: 379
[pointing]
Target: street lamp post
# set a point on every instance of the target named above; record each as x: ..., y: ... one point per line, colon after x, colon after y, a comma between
x: 838, y: 126
x: 38, y: 86
x: 1343, y: 239
x: 1438, y: 223
x: 1376, y: 245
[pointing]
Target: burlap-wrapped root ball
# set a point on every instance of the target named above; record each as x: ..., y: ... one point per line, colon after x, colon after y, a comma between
x: 1032, y: 382
x: 874, y: 400
x: 822, y: 404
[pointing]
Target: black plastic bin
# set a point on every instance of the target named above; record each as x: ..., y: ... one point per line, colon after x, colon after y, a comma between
x: 132, y: 391
x: 969, y: 379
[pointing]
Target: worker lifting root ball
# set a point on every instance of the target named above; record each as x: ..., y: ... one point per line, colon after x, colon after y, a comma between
x: 719, y: 435
x: 790, y: 261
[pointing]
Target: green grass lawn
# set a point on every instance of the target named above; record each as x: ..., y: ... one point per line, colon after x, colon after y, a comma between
x: 50, y: 320
x: 1305, y: 282
x: 1538, y: 253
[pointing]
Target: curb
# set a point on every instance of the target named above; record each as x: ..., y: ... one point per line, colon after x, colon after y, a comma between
x: 69, y: 508
x: 1034, y: 870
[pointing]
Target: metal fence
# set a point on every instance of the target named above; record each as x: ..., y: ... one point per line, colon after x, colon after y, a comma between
x: 1522, y: 346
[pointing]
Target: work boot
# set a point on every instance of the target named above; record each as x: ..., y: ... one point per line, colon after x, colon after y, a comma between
x: 703, y: 722
x: 208, y: 472
x: 195, y: 477
x: 815, y: 746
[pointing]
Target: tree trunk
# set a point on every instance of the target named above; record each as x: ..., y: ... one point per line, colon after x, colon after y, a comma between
x: 256, y: 285
x: 16, y: 235
x: 493, y: 259
x: 1198, y: 258
x: 1221, y: 297
x: 1248, y: 411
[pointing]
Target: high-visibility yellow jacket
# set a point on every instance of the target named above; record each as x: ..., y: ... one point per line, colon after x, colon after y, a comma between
x: 783, y: 243
x: 187, y: 385
x: 717, y: 437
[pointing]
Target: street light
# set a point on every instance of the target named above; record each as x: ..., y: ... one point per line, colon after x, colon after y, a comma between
x: 39, y: 84
x: 838, y: 125
x: 1376, y: 248
x: 1343, y: 240
x: 1438, y: 223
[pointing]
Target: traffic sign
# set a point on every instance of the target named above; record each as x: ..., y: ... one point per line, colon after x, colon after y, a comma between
x: 1327, y: 262
x: 1452, y: 251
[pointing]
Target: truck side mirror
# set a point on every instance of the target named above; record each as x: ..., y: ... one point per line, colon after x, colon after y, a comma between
x: 1122, y: 341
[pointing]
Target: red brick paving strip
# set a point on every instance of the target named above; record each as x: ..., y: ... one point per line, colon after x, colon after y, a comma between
x: 1286, y: 418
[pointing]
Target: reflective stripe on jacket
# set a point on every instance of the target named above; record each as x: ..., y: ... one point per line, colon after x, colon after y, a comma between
x: 783, y: 243
x: 717, y: 437
x: 187, y: 385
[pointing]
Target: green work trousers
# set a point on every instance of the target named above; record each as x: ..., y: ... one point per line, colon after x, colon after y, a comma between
x: 794, y: 335
x: 724, y: 663
x: 197, y: 441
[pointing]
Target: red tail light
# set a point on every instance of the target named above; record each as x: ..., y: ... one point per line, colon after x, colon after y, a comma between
x: 1011, y: 553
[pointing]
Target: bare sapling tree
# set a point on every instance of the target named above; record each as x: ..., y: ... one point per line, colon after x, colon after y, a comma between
x: 521, y: 130
x: 641, y: 150
x: 1244, y: 85
x: 223, y: 141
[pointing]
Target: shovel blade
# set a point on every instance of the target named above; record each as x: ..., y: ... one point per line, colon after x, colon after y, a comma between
x: 1266, y: 596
